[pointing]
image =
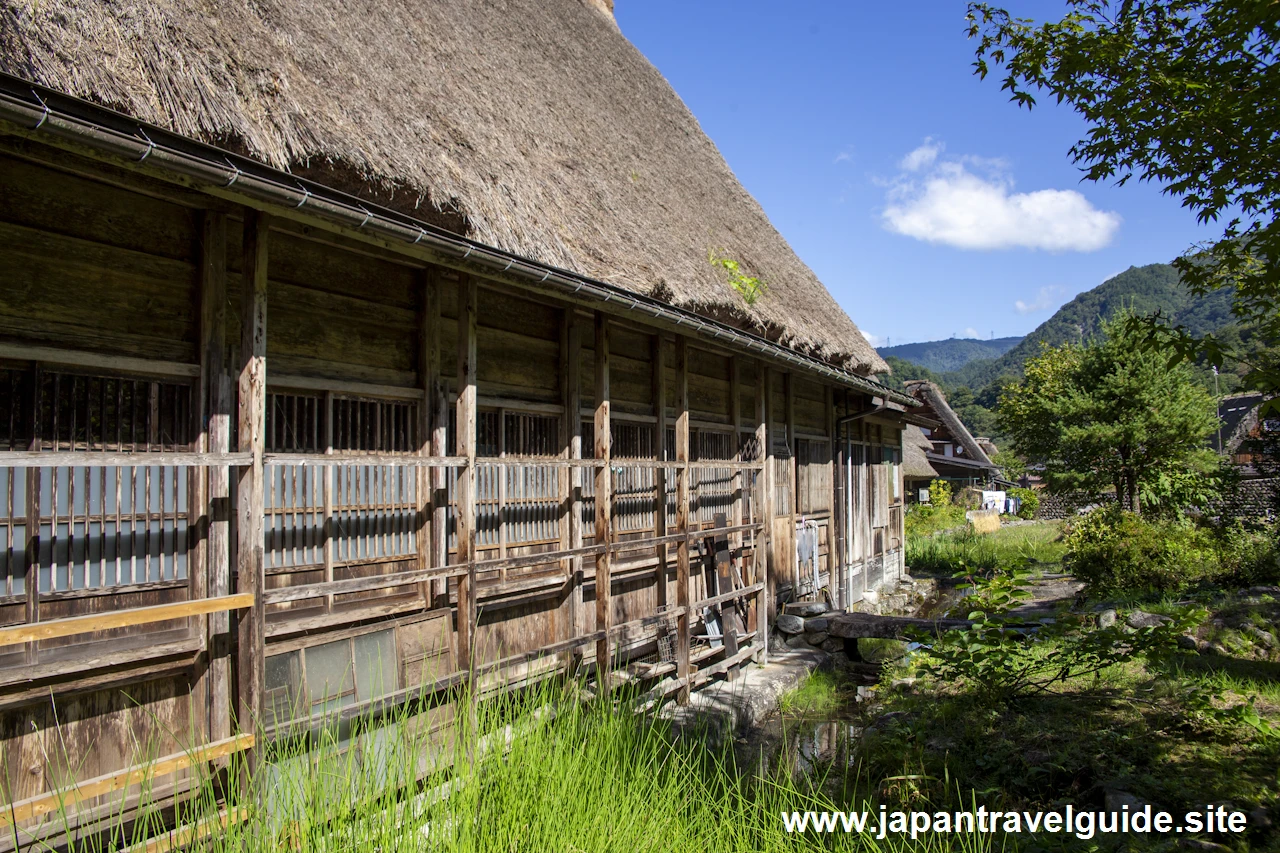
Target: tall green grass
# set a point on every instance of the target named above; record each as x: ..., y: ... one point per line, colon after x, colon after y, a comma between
x: 948, y: 553
x: 544, y: 770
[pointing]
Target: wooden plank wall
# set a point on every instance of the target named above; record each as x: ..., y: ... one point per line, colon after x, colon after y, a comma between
x: 115, y: 274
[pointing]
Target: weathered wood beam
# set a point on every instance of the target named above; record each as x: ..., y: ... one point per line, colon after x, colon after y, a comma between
x: 833, y: 574
x: 438, y: 401
x: 658, y: 356
x: 428, y: 351
x: 683, y: 622
x: 857, y: 626
x: 571, y: 478
x: 764, y: 511
x: 789, y: 408
x: 252, y: 408
x: 213, y: 489
x: 604, y: 502
x: 839, y: 511
x: 57, y: 801
x: 466, y: 441
x: 767, y: 505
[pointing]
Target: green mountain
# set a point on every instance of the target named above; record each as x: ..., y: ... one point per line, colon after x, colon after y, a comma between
x: 974, y: 386
x: 1144, y: 290
x: 950, y: 354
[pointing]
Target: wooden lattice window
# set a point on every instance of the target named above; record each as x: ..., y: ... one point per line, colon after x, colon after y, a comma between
x: 373, y: 510
x: 96, y: 527
x: 517, y: 505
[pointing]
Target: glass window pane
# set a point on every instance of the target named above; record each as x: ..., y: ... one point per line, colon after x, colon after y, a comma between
x: 375, y: 665
x: 329, y: 671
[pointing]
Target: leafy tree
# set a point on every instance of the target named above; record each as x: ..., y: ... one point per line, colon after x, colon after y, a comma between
x: 1109, y: 414
x: 1185, y: 93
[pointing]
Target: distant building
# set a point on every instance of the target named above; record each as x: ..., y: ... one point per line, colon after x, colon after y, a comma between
x: 954, y: 452
x: 1251, y: 442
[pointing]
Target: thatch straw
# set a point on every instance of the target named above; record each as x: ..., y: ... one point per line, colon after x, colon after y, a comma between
x: 530, y: 125
x: 915, y: 464
x: 936, y: 405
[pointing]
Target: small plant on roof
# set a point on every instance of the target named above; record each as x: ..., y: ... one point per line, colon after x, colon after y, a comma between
x: 749, y: 287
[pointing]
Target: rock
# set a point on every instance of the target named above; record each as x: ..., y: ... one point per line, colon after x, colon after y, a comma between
x: 1207, y: 648
x: 805, y: 608
x: 1266, y: 639
x: 816, y: 624
x: 1143, y: 619
x: 871, y: 597
x: 906, y: 685
x: 1114, y: 801
x: 797, y: 641
x: 1188, y: 642
x: 1106, y: 618
x: 1264, y: 590
x: 833, y: 645
x: 865, y: 694
x: 817, y: 638
x: 789, y: 623
x: 888, y: 720
x: 1259, y: 818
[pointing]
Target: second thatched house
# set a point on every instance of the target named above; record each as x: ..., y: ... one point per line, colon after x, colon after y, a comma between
x: 350, y: 353
x: 954, y: 453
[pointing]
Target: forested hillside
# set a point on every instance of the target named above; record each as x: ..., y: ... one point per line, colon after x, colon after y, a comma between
x: 951, y: 354
x: 975, y: 385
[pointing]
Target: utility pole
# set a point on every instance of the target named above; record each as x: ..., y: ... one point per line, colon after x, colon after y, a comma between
x: 1217, y: 399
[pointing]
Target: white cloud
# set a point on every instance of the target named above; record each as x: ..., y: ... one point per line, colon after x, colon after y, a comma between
x: 874, y: 340
x: 922, y: 157
x: 1045, y: 299
x: 969, y: 332
x: 969, y: 203
x: 843, y: 157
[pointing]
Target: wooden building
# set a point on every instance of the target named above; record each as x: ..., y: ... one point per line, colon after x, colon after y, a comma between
x: 954, y: 454
x: 316, y: 363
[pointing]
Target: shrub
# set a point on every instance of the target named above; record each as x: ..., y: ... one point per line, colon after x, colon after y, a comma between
x: 1116, y: 551
x: 1030, y: 501
x: 1004, y: 663
x: 941, y: 493
x: 1245, y: 556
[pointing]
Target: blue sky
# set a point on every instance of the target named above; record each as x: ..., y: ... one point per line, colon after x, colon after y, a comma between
x: 928, y: 204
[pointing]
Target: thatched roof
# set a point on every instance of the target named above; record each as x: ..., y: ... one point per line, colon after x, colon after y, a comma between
x: 935, y: 402
x: 915, y: 444
x: 531, y: 125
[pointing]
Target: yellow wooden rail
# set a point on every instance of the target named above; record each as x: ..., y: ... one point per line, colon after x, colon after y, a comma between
x: 56, y: 800
x: 31, y: 632
x: 185, y: 836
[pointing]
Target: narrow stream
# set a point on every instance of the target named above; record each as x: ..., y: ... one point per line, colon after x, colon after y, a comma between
x: 810, y: 744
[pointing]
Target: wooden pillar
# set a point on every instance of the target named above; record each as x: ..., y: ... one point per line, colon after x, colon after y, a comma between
x: 658, y: 358
x: 683, y: 599
x: 329, y: 532
x: 604, y: 504
x: 215, y: 422
x: 833, y: 576
x: 770, y: 493
x: 251, y: 421
x: 571, y: 478
x: 735, y: 417
x: 438, y: 402
x: 839, y: 515
x: 428, y: 337
x: 789, y: 554
x: 466, y: 438
x: 764, y: 509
